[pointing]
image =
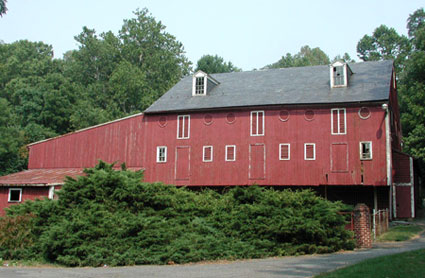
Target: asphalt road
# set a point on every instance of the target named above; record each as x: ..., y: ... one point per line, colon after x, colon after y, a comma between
x: 293, y: 267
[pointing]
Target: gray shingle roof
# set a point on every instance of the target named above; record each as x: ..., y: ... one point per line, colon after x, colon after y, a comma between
x: 303, y: 85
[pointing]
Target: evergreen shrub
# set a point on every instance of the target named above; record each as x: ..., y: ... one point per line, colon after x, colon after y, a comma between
x: 111, y: 217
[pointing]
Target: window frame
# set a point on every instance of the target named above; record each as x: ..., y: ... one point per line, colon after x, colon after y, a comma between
x: 361, y: 150
x: 289, y: 151
x: 203, y: 153
x: 200, y: 88
x: 183, y: 128
x: 234, y: 153
x: 256, y: 120
x: 158, y: 152
x: 305, y: 151
x: 338, y: 120
x: 20, y: 195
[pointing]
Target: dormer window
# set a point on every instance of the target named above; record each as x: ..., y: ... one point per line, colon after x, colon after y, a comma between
x: 340, y: 74
x: 202, y: 83
x: 199, y: 86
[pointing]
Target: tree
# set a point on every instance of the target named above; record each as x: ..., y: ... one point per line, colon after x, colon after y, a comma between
x: 3, y: 8
x: 305, y: 57
x: 12, y: 155
x: 215, y: 64
x: 123, y: 74
x: 412, y: 89
x: 346, y: 58
x: 385, y: 43
x: 416, y: 27
x: 409, y: 58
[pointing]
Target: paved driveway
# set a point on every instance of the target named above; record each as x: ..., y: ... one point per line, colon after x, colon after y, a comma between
x: 302, y: 266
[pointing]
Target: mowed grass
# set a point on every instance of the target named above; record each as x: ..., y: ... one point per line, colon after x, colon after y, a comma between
x: 409, y: 264
x: 401, y: 233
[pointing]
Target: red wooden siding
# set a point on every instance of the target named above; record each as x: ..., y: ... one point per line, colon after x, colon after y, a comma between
x: 401, y: 167
x: 257, y: 161
x: 135, y: 141
x: 235, y: 127
x: 404, y: 201
x: 28, y: 193
x: 119, y: 141
x: 182, y: 163
x: 339, y: 159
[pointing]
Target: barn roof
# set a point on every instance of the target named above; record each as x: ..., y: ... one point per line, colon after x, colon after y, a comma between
x: 45, y: 177
x: 40, y: 177
x: 287, y: 86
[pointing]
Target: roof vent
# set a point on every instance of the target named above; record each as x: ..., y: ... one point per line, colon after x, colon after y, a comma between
x: 340, y: 74
x: 202, y: 83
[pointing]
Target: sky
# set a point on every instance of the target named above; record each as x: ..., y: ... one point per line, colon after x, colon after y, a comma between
x: 250, y: 34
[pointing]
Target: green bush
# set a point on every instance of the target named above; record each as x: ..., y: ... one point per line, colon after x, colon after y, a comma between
x: 111, y: 217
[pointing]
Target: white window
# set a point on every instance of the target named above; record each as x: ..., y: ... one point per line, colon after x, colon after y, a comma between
x: 338, y: 121
x: 257, y: 123
x: 183, y: 127
x: 340, y: 74
x: 309, y: 151
x: 199, y: 83
x: 207, y: 154
x: 284, y: 151
x: 15, y: 195
x: 199, y: 86
x: 161, y: 154
x: 366, y: 150
x: 230, y: 153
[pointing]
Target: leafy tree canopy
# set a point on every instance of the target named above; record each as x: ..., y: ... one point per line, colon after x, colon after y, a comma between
x: 305, y: 57
x: 384, y: 43
x: 108, y: 77
x: 215, y: 64
x: 3, y: 8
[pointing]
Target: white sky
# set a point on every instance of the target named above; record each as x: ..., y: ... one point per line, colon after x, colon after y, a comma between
x: 250, y: 34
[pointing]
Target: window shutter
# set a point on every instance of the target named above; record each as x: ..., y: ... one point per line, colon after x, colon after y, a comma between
x: 341, y: 121
x: 186, y: 127
x: 230, y: 153
x: 180, y: 131
x: 335, y: 121
x: 284, y: 152
x: 207, y: 153
x: 309, y: 151
x: 254, y: 123
x: 260, y: 116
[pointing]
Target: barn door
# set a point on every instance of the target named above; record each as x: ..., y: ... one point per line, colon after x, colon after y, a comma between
x: 257, y: 161
x: 182, y: 171
x: 339, y: 157
x: 404, y: 201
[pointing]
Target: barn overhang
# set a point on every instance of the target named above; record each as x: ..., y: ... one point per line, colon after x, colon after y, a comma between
x: 40, y: 177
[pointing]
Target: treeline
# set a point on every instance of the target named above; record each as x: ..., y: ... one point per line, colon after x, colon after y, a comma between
x: 111, y: 76
x: 108, y: 77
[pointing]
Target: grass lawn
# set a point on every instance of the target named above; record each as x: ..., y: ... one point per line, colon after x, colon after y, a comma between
x: 409, y: 264
x: 400, y: 233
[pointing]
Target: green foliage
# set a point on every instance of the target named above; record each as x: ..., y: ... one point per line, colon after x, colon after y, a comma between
x: 409, y: 57
x: 12, y: 156
x: 3, y: 8
x: 306, y: 57
x: 108, y: 77
x: 111, y: 217
x: 385, y: 43
x: 401, y: 233
x: 214, y: 64
x: 16, y: 235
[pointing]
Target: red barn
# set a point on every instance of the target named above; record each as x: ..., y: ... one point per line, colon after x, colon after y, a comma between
x: 334, y: 128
